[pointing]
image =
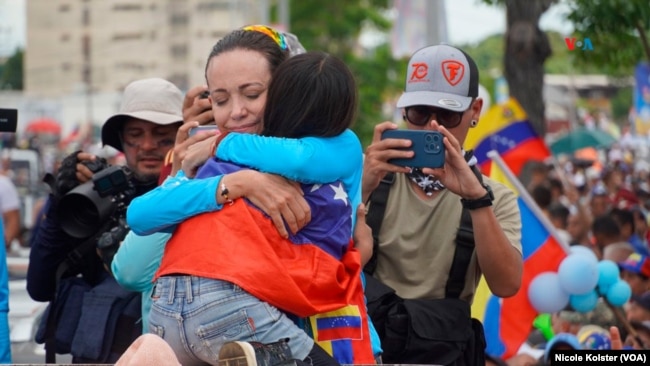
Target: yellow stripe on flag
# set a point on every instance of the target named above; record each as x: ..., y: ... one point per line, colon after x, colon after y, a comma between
x: 500, y: 176
x: 495, y: 119
x: 480, y: 299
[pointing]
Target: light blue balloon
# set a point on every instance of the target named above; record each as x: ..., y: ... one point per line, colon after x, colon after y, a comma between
x: 619, y: 293
x: 546, y: 294
x: 584, y: 303
x: 578, y: 274
x: 608, y: 274
x: 583, y: 250
x: 602, y: 290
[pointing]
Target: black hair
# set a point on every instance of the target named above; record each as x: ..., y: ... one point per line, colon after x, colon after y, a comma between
x: 253, y: 41
x: 623, y: 217
x: 559, y: 211
x: 605, y: 225
x: 311, y: 94
x: 555, y: 183
x: 541, y: 193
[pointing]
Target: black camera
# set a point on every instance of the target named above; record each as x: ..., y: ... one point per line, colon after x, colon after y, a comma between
x: 8, y: 120
x: 99, y: 204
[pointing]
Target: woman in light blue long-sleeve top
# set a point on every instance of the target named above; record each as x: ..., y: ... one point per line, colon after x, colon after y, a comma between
x: 155, y: 218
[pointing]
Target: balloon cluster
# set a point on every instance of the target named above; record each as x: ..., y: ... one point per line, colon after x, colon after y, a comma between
x: 580, y: 281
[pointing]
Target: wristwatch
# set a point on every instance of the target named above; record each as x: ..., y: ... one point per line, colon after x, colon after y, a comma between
x: 484, y: 201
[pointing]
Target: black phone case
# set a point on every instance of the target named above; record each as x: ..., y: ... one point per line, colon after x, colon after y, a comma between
x: 427, y: 145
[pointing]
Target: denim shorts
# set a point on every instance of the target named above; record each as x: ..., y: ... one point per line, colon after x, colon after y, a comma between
x: 197, y: 315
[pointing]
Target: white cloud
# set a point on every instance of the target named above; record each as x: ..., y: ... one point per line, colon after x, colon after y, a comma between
x: 12, y: 26
x: 471, y: 21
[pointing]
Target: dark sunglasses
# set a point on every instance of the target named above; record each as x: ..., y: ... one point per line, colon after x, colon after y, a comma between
x: 420, y: 115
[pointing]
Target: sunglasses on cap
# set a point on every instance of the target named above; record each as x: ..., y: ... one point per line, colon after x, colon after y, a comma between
x: 278, y: 37
x: 420, y: 115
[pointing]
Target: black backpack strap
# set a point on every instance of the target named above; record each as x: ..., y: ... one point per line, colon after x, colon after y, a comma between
x: 464, y: 236
x: 464, y: 249
x: 375, y: 216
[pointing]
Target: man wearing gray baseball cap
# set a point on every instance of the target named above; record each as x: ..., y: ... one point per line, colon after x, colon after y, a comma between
x: 436, y: 229
x: 91, y: 316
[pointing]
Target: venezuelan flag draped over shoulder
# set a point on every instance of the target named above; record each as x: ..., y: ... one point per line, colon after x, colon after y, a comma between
x: 508, y: 322
x: 506, y: 129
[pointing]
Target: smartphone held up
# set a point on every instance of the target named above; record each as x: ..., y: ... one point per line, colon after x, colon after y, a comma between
x: 204, y: 128
x: 428, y: 148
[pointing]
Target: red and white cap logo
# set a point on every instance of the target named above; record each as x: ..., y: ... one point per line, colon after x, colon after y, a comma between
x: 453, y: 71
x: 420, y: 71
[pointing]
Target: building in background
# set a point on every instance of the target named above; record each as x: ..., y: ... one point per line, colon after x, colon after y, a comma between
x: 418, y: 23
x: 81, y: 54
x: 96, y: 46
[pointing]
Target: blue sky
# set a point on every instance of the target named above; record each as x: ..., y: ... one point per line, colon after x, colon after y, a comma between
x: 468, y: 21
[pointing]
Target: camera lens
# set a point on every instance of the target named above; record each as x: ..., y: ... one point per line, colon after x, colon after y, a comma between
x: 82, y: 211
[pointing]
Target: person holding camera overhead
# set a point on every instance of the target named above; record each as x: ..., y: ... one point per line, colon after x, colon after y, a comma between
x: 420, y: 253
x: 90, y: 316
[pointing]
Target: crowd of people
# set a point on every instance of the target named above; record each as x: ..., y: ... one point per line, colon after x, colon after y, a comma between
x: 602, y: 205
x: 275, y: 239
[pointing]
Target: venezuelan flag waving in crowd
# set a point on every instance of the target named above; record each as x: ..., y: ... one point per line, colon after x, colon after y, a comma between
x: 506, y: 129
x: 509, y: 321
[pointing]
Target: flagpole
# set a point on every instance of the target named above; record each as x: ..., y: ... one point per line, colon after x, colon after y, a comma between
x: 525, y: 196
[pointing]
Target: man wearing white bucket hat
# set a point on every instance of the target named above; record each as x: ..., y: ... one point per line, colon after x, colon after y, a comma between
x: 95, y: 319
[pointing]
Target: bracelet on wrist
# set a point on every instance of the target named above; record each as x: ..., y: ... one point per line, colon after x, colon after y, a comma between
x: 224, y: 193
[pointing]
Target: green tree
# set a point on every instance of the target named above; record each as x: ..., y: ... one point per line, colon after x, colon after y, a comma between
x: 11, y: 73
x: 618, y: 31
x: 488, y: 55
x: 563, y: 61
x: 621, y: 105
x: 526, y: 49
x: 335, y: 28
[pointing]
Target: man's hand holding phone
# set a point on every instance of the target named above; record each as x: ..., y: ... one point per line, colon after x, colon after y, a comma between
x: 427, y: 146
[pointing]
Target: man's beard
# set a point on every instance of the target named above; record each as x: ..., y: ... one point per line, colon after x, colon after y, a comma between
x: 145, y: 178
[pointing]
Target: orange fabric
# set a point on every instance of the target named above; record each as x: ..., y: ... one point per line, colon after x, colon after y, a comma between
x: 166, y: 169
x: 240, y: 245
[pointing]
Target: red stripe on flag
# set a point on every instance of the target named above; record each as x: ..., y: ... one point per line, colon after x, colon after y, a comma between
x: 339, y: 333
x: 517, y: 313
x: 533, y: 149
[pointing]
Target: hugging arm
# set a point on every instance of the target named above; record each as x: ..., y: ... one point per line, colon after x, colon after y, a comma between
x: 306, y: 160
x: 137, y: 260
x: 309, y: 160
x: 169, y: 204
